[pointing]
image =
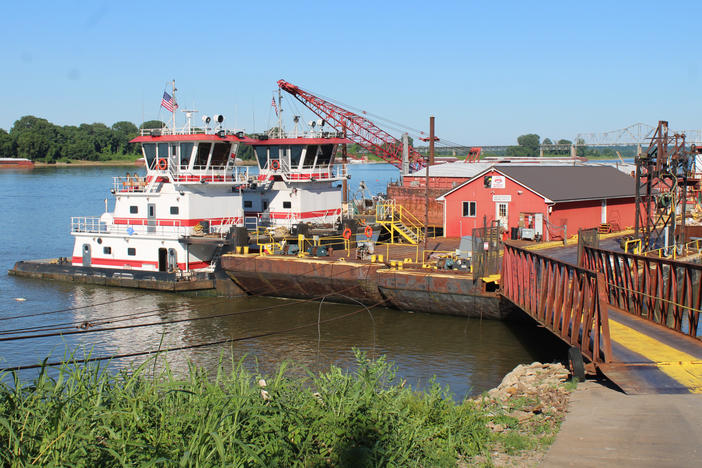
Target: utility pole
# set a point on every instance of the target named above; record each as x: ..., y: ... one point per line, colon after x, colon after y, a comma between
x: 404, y: 170
x: 426, y: 182
x: 344, y: 161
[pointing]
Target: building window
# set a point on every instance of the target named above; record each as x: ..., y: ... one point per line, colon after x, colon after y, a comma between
x: 248, y: 204
x: 174, y: 210
x: 131, y: 251
x: 133, y: 209
x: 469, y: 209
x: 502, y: 209
x: 287, y: 204
x: 107, y: 250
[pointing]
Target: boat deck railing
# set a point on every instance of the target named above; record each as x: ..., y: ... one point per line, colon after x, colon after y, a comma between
x: 306, y: 173
x: 240, y: 175
x: 95, y: 225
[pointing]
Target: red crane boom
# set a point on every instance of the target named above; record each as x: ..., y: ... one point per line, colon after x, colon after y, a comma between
x: 358, y: 128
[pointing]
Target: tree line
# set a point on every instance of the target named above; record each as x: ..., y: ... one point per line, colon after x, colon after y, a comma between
x: 40, y: 140
x: 528, y: 145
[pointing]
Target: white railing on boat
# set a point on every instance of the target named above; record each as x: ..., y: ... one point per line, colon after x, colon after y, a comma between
x: 306, y: 173
x: 240, y: 175
x: 218, y: 227
x: 188, y: 131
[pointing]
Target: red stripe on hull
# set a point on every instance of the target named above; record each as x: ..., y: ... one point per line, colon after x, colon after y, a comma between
x: 117, y: 263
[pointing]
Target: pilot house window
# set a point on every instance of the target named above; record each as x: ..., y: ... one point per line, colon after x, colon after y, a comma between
x: 220, y: 155
x: 287, y: 205
x: 203, y: 152
x: 133, y: 209
x: 131, y: 251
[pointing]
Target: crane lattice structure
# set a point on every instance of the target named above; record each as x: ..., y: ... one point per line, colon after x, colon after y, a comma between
x: 661, y: 188
x: 357, y: 128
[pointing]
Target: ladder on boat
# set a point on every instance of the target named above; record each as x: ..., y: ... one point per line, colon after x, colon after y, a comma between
x: 399, y: 221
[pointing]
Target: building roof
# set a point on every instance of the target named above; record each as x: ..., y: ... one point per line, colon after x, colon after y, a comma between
x: 566, y: 183
x: 461, y: 169
x: 454, y: 169
x: 570, y: 183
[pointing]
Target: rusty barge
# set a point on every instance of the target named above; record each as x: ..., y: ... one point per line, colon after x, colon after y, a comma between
x: 340, y: 277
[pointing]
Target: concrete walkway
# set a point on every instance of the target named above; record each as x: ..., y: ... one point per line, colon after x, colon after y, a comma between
x: 605, y: 427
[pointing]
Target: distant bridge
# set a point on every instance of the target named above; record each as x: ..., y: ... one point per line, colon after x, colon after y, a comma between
x: 638, y: 134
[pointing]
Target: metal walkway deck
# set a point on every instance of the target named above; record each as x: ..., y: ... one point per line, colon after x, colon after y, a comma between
x: 641, y: 329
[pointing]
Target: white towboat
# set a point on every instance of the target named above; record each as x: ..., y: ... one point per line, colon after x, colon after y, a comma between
x: 180, y: 214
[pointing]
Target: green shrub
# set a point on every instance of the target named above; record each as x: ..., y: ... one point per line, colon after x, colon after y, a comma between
x: 85, y: 416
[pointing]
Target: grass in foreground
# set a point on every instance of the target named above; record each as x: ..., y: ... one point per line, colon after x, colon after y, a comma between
x: 85, y: 416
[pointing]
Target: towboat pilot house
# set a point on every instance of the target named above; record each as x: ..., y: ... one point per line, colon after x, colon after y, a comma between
x: 179, y: 216
x: 541, y: 202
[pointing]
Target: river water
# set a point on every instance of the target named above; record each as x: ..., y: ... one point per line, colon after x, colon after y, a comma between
x: 468, y: 355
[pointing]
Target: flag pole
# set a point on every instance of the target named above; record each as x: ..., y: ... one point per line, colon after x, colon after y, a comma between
x: 173, y: 107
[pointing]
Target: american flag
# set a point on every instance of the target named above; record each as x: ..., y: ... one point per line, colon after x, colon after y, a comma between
x: 168, y: 102
x: 274, y: 106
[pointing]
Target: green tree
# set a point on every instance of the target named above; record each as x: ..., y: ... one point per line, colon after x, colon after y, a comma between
x: 35, y: 137
x: 7, y: 145
x: 530, y: 143
x: 123, y: 132
x: 547, y: 141
x: 580, y: 147
x: 152, y: 124
x: 564, y: 142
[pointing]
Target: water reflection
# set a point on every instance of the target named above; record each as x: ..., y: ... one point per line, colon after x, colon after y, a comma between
x: 468, y: 355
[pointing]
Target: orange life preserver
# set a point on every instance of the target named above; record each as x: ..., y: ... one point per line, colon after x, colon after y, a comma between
x: 368, y: 232
x: 162, y: 164
x: 347, y: 233
x: 275, y: 165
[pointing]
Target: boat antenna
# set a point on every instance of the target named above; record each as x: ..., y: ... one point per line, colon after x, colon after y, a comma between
x: 280, y: 113
x: 189, y: 116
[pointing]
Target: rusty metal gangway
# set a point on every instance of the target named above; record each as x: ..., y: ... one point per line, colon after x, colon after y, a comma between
x: 634, y: 318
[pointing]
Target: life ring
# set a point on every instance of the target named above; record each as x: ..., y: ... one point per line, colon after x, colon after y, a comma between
x: 275, y: 165
x: 368, y: 231
x: 162, y: 164
x: 347, y: 233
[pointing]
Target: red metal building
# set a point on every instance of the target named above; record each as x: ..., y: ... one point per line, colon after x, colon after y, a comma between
x: 553, y: 201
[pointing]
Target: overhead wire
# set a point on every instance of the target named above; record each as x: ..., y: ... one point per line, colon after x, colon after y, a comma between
x: 103, y: 320
x: 157, y: 311
x: 142, y: 325
x: 181, y: 348
x: 68, y: 309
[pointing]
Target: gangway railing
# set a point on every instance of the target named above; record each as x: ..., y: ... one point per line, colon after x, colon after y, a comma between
x: 568, y: 300
x: 663, y: 291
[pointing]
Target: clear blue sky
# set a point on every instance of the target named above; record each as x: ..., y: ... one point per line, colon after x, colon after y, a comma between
x: 488, y: 71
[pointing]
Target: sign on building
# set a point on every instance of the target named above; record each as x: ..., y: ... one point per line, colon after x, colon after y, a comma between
x: 498, y: 181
